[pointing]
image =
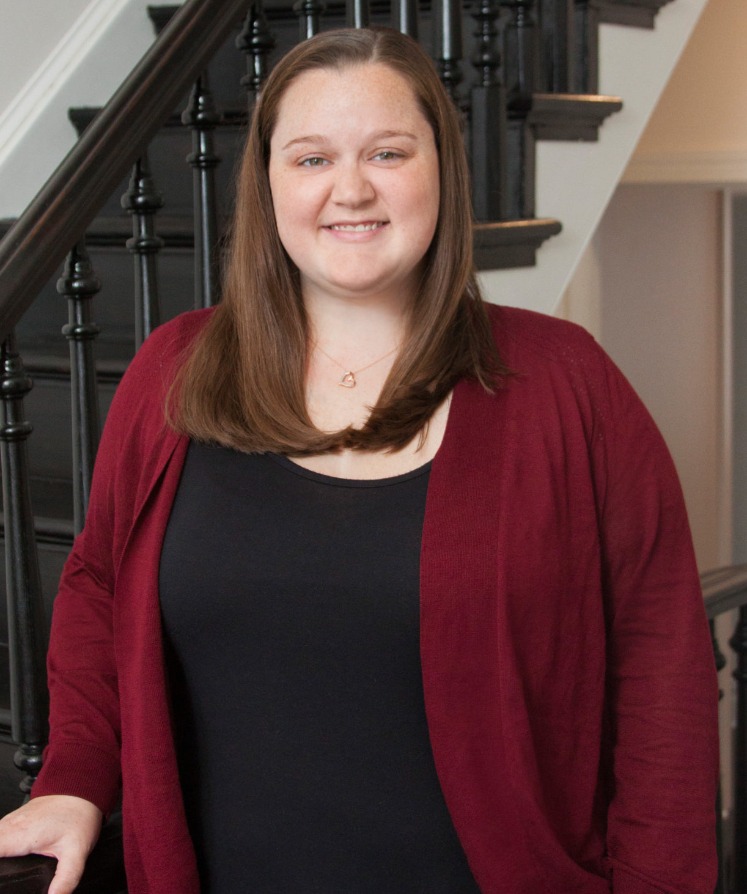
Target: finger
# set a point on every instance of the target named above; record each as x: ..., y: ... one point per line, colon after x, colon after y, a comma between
x: 13, y: 843
x: 68, y: 875
x: 8, y: 848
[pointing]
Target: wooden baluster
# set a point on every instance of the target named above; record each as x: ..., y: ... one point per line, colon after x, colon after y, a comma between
x: 718, y: 655
x: 309, y: 13
x: 739, y: 643
x: 405, y: 17
x: 448, y: 44
x: 557, y: 39
x: 521, y: 70
x: 142, y: 200
x: 586, y: 68
x: 520, y: 200
x: 358, y: 13
x: 27, y: 642
x: 256, y: 40
x: 203, y: 118
x: 488, y: 120
x: 521, y: 50
x: 79, y: 284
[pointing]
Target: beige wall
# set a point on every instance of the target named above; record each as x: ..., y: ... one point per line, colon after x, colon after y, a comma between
x: 704, y: 106
x: 698, y: 132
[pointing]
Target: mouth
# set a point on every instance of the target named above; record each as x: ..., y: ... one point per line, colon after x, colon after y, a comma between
x: 367, y: 227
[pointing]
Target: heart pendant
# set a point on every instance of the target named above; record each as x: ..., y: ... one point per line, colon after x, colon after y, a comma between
x: 348, y: 380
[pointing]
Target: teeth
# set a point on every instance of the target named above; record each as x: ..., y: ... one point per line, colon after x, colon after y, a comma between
x: 355, y: 228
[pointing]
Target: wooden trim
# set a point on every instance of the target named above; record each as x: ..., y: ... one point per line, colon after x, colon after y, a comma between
x: 512, y: 243
x: 636, y: 13
x: 696, y: 167
x: 570, y: 116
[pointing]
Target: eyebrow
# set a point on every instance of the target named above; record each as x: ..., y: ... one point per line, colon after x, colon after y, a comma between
x: 319, y: 139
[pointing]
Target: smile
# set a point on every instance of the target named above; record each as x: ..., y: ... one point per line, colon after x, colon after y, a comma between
x: 357, y: 228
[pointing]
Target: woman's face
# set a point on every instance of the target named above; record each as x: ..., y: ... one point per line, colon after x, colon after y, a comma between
x: 355, y: 183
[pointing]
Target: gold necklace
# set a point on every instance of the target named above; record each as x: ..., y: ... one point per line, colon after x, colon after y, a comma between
x: 348, y: 379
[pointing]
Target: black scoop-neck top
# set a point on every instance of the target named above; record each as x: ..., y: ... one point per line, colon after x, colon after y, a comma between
x: 290, y: 602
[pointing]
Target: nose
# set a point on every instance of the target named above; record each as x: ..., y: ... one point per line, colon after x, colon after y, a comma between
x: 352, y: 187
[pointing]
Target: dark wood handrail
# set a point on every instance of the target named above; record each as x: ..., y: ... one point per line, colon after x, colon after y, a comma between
x: 34, y: 248
x: 724, y: 589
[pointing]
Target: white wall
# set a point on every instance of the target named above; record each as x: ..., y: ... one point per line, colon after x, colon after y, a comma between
x: 88, y: 48
x: 31, y: 31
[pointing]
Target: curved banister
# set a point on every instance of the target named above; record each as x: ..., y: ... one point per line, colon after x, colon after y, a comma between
x: 724, y: 589
x: 34, y: 249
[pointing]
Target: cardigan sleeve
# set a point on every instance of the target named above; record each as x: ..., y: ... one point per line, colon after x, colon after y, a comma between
x: 83, y: 754
x: 661, y: 679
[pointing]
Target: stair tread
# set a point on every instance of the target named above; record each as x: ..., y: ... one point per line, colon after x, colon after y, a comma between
x: 566, y: 116
x: 635, y: 13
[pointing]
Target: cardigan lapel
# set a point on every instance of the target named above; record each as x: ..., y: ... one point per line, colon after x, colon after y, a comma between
x: 144, y: 694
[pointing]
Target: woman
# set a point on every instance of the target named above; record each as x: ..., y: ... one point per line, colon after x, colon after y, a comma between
x: 379, y: 591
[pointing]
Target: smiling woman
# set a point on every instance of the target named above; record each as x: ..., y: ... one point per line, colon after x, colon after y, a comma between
x: 438, y: 623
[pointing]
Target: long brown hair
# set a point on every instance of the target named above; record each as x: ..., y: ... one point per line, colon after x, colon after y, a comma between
x: 243, y: 383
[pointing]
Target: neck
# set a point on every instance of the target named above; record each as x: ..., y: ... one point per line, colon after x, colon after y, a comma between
x: 368, y: 328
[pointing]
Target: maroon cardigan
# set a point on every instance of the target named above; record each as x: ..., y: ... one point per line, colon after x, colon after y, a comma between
x: 569, y: 681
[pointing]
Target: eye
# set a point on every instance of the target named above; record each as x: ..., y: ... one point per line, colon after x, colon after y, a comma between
x: 313, y: 161
x: 387, y: 155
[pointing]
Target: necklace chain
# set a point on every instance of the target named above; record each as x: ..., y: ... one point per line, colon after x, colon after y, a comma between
x: 348, y: 379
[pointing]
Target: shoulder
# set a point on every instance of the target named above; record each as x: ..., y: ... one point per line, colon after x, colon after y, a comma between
x: 166, y: 346
x: 140, y: 397
x: 557, y: 365
x: 525, y: 337
x: 565, y: 386
x: 553, y: 355
x: 152, y: 370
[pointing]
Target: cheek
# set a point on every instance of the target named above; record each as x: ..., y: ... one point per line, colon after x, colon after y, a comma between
x: 285, y: 208
x: 295, y: 202
x: 425, y: 198
x: 427, y: 205
x: 435, y: 207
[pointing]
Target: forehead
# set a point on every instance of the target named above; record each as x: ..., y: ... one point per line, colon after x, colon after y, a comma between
x: 353, y: 96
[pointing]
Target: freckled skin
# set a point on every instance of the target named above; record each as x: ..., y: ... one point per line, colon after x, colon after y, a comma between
x: 353, y: 148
